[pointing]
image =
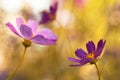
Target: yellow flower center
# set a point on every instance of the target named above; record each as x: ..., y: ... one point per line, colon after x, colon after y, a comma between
x: 91, y: 55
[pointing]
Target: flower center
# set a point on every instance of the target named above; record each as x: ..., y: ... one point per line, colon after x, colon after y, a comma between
x: 52, y: 17
x: 91, y: 55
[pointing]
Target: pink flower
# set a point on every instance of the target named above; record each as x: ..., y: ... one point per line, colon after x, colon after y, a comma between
x: 80, y: 3
x: 29, y: 32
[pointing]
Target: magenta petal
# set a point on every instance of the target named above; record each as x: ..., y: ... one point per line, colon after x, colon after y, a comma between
x: 26, y: 31
x: 39, y: 39
x: 19, y: 22
x: 100, y: 47
x: 90, y: 47
x: 47, y: 33
x: 80, y: 53
x: 11, y: 27
x: 33, y: 25
x: 74, y: 60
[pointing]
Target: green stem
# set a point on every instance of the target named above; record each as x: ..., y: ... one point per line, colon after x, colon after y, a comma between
x: 98, y: 71
x: 17, y: 66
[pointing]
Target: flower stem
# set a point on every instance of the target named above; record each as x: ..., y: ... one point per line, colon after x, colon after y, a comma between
x: 17, y: 66
x: 97, y: 71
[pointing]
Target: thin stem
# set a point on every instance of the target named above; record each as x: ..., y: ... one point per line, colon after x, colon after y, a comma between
x: 17, y: 66
x: 97, y: 71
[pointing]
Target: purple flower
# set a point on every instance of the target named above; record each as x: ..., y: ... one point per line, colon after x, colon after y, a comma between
x: 3, y: 75
x: 92, y: 54
x: 47, y: 16
x: 29, y: 32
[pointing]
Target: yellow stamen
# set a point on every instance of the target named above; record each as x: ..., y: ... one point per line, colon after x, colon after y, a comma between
x: 91, y: 55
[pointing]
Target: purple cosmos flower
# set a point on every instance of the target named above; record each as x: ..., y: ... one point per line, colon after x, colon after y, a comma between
x: 49, y: 16
x: 29, y: 32
x: 92, y: 54
x: 3, y: 75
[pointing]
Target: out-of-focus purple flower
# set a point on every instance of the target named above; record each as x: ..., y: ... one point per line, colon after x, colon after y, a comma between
x: 29, y: 32
x: 3, y: 75
x: 92, y: 54
x: 48, y: 16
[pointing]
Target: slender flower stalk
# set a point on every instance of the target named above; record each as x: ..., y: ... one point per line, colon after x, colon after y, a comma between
x: 98, y: 72
x: 26, y: 44
x: 17, y: 66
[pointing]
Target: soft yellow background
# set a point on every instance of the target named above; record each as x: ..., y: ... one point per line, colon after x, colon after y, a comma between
x: 74, y: 26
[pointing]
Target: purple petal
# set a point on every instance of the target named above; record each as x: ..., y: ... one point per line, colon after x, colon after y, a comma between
x: 39, y: 39
x: 19, y: 22
x: 45, y: 17
x: 74, y: 65
x: 100, y: 47
x: 85, y: 61
x: 48, y: 34
x: 100, y: 43
x: 82, y: 62
x: 11, y: 27
x: 90, y: 47
x: 53, y: 8
x: 33, y: 25
x: 26, y: 31
x: 80, y: 53
x: 74, y: 60
x: 3, y: 75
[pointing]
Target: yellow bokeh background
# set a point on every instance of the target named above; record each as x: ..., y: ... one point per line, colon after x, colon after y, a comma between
x: 75, y: 25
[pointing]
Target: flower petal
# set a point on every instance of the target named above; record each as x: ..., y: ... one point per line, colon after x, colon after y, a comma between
x: 73, y: 65
x: 100, y: 47
x: 44, y: 17
x: 100, y: 43
x: 19, y: 22
x: 53, y: 8
x: 85, y: 61
x: 90, y: 47
x: 11, y: 27
x: 48, y: 34
x: 74, y: 60
x: 82, y: 62
x: 26, y: 31
x: 80, y: 53
x: 39, y: 39
x: 33, y: 25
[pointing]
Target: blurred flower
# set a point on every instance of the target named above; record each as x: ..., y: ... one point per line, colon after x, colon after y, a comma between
x: 49, y: 16
x: 79, y: 3
x: 30, y: 34
x: 91, y: 56
x: 3, y: 75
